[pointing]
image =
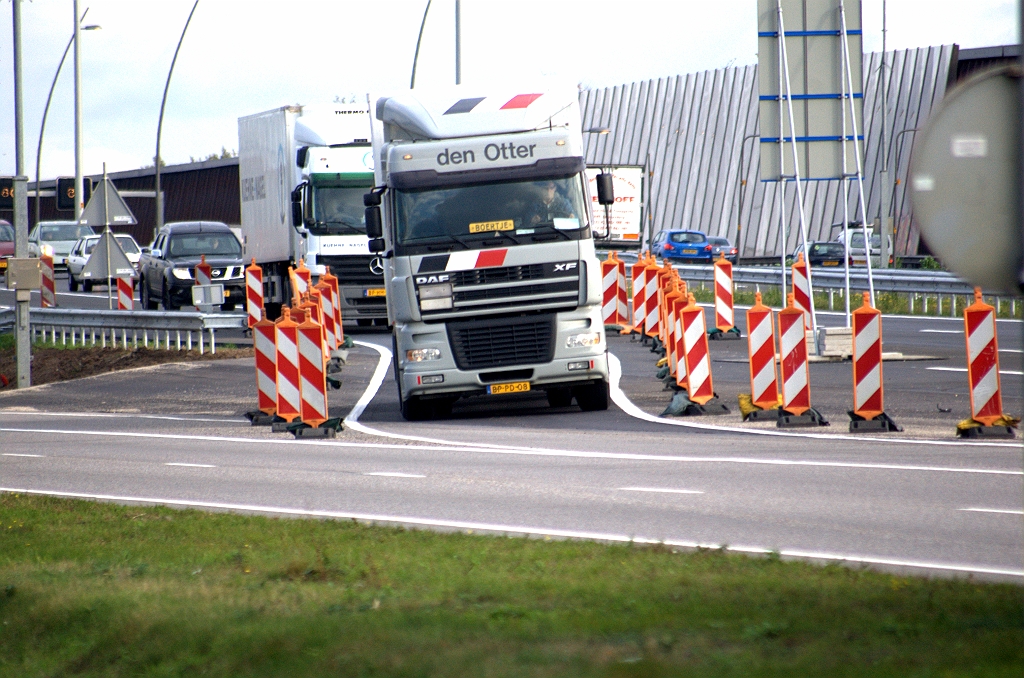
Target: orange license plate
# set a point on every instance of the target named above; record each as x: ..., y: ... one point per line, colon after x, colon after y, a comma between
x: 511, y: 387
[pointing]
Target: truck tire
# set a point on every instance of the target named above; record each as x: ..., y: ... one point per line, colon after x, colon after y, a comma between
x: 559, y: 397
x: 593, y: 397
x: 416, y: 409
x: 166, y: 299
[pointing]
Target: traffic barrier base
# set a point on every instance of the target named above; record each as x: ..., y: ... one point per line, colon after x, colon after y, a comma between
x: 882, y: 423
x: 682, y: 406
x: 258, y: 418
x: 970, y: 429
x: 810, y: 418
x: 731, y: 333
x: 328, y: 429
x: 752, y: 412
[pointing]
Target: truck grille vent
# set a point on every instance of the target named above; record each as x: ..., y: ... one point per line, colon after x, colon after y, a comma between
x: 500, y: 342
x: 569, y: 286
x: 353, y: 270
x: 486, y: 276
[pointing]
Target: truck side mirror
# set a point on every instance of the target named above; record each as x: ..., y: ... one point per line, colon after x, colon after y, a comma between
x: 301, y: 155
x: 297, y: 206
x: 605, y: 191
x: 374, y: 226
x: 377, y: 245
x: 371, y: 199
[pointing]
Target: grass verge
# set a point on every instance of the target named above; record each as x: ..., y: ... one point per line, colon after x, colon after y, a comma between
x: 99, y: 589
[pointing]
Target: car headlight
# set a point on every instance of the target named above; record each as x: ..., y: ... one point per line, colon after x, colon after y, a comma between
x: 46, y: 250
x: 181, y: 273
x: 435, y: 297
x: 418, y: 355
x: 583, y: 340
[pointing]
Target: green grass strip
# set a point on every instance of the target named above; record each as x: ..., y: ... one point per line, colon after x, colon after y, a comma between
x: 94, y: 589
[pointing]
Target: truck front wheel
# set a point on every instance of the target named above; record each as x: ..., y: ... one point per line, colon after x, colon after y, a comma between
x: 592, y: 397
x: 416, y: 409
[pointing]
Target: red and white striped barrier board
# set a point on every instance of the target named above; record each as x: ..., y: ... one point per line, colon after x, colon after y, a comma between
x: 695, y: 350
x: 327, y: 313
x: 867, y: 361
x: 332, y: 280
x: 125, y: 294
x: 286, y: 339
x: 802, y: 288
x: 666, y: 276
x: 764, y: 384
x: 204, y: 275
x: 610, y: 291
x: 796, y: 381
x: 311, y: 306
x: 651, y: 280
x: 47, y: 292
x: 623, y: 307
x: 304, y: 274
x: 983, y: 361
x: 672, y: 306
x: 724, y: 318
x: 312, y: 374
x: 639, y: 276
x: 679, y: 303
x: 265, y: 345
x: 254, y: 293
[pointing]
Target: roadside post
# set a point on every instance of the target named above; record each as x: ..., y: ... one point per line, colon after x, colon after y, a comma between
x: 315, y: 421
x: 332, y: 280
x: 125, y: 295
x: 47, y: 291
x: 764, y: 383
x: 204, y: 280
x: 987, y: 417
x: 265, y: 347
x: 639, y: 277
x: 253, y: 293
x: 725, y: 319
x: 286, y: 341
x: 868, y: 413
x: 796, y: 377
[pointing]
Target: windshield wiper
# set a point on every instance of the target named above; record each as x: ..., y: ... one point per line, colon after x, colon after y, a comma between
x: 332, y: 225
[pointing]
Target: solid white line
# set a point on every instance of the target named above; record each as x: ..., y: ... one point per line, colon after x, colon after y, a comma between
x: 1016, y: 512
x: 941, y: 331
x: 964, y: 370
x: 173, y: 463
x: 1010, y: 350
x: 106, y: 415
x: 534, y: 452
x: 527, y: 530
x: 658, y: 489
x: 387, y: 474
x: 12, y: 454
x: 626, y: 405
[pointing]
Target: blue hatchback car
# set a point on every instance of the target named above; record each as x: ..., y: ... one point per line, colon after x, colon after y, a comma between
x: 682, y: 245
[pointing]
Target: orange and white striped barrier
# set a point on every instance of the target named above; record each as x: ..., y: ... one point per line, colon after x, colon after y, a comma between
x: 868, y: 413
x: 48, y: 290
x: 327, y: 313
x: 672, y: 334
x: 699, y: 394
x: 254, y: 293
x: 613, y: 283
x: 125, y: 294
x: 796, y: 376
x: 725, y: 319
x: 204, y: 276
x: 983, y: 372
x: 651, y: 286
x: 301, y: 278
x: 312, y: 381
x: 764, y: 383
x: 286, y: 342
x: 801, y: 288
x: 332, y: 280
x: 264, y: 342
x: 638, y: 274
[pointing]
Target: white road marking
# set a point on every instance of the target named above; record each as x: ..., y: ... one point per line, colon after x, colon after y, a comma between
x: 964, y: 370
x: 1016, y: 512
x: 13, y: 454
x: 1010, y: 350
x: 942, y: 331
x: 538, y: 531
x: 658, y: 489
x: 173, y: 463
x: 249, y: 443
x: 115, y: 415
x: 387, y: 474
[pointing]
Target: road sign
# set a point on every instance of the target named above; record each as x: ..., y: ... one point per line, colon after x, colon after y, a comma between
x: 7, y: 193
x: 66, y: 192
x: 107, y: 260
x: 106, y: 207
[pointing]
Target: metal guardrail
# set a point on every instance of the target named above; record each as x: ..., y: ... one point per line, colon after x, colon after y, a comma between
x: 76, y: 325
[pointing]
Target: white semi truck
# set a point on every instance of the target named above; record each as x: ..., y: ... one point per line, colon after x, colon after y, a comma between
x: 482, y: 213
x: 303, y: 171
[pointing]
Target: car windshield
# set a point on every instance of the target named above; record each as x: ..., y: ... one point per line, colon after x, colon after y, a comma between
x: 127, y: 244
x: 6, y: 233
x: 827, y: 250
x: 480, y: 210
x: 687, y: 237
x: 338, y: 210
x: 210, y: 244
x: 60, y: 232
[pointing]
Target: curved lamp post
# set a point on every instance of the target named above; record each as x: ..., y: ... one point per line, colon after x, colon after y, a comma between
x: 46, y: 109
x: 160, y: 125
x: 416, y: 56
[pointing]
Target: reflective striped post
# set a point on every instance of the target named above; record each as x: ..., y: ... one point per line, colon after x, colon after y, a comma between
x: 639, y: 277
x: 265, y: 345
x: 286, y: 339
x: 868, y: 412
x: 47, y: 292
x: 983, y: 372
x: 801, y: 288
x: 125, y: 294
x: 695, y: 350
x: 332, y: 280
x: 254, y: 293
x: 764, y: 383
x: 796, y: 376
x: 327, y: 313
x: 312, y: 374
x: 679, y: 303
x: 204, y: 276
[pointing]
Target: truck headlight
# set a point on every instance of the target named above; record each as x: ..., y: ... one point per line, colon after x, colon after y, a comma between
x: 181, y: 273
x: 583, y: 340
x: 418, y: 355
x: 435, y: 297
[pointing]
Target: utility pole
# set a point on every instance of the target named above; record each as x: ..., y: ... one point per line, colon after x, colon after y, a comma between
x: 22, y: 342
x: 458, y: 42
x: 885, y: 226
x: 79, y: 191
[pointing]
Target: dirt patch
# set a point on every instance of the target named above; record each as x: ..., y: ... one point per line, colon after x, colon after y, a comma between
x: 60, y: 364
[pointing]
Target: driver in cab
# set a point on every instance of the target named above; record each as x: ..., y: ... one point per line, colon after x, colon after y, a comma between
x: 550, y: 205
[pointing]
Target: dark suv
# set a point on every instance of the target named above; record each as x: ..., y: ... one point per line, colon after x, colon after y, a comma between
x: 167, y: 270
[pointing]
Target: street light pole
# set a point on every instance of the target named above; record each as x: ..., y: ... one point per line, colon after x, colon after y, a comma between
x: 458, y: 42
x: 739, y: 210
x: 46, y: 110
x: 22, y: 341
x: 416, y: 56
x: 79, y: 193
x: 160, y: 126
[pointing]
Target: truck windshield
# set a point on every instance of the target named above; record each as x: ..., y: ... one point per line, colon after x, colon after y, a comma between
x: 338, y: 210
x: 516, y: 207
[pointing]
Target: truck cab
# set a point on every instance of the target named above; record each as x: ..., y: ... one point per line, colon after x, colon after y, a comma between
x: 493, y: 284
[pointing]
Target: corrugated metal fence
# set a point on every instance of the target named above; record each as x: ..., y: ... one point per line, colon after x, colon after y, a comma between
x: 696, y: 135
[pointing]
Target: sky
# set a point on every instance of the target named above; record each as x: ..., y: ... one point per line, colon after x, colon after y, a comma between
x: 245, y: 56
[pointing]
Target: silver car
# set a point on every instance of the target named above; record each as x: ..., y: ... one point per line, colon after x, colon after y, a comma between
x: 81, y: 252
x: 56, y: 238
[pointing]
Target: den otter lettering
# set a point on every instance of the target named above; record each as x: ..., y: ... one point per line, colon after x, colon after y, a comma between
x: 492, y: 152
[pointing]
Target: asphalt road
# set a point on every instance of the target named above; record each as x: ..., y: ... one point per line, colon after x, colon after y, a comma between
x: 919, y: 501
